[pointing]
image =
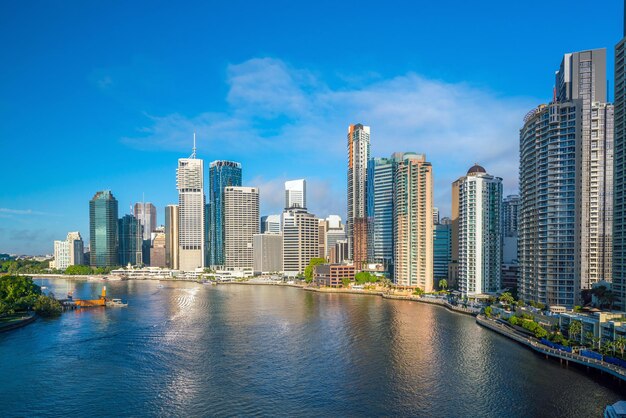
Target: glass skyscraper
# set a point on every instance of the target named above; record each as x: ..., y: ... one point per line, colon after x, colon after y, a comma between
x: 442, y: 250
x: 380, y: 179
x: 103, y: 230
x: 130, y: 240
x: 222, y: 174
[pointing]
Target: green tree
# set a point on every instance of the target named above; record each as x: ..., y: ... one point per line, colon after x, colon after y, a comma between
x: 506, y: 298
x: 443, y: 284
x: 363, y: 277
x: 18, y: 292
x: 488, y: 311
x: 574, y: 330
x: 78, y: 270
x: 309, y: 270
x: 620, y: 344
x: 345, y: 281
x: 47, y: 306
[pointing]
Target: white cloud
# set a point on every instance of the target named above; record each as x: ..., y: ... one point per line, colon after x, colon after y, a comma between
x: 292, y: 115
x: 21, y: 212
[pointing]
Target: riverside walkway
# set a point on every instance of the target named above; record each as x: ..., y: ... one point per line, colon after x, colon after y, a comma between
x: 600, y: 365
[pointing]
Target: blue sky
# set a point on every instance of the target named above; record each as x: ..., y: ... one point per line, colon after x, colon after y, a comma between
x: 106, y: 94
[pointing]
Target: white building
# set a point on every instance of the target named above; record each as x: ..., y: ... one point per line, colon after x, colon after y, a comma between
x: 268, y: 253
x: 191, y: 201
x: 479, y: 231
x: 61, y: 255
x: 270, y: 224
x: 76, y: 248
x: 300, y: 240
x: 295, y: 194
x: 241, y: 223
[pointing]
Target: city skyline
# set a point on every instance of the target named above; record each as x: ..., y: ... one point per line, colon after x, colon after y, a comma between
x: 155, y: 128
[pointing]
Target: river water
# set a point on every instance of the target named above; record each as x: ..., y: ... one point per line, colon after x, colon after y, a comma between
x: 183, y: 349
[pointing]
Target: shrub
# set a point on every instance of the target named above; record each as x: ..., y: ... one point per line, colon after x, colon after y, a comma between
x: 47, y: 306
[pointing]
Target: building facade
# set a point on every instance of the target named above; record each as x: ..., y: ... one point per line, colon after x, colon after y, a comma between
x: 442, y: 250
x: 333, y: 275
x: 413, y: 222
x: 300, y: 240
x: 295, y: 194
x: 241, y: 223
x: 76, y: 248
x: 146, y: 214
x: 380, y: 186
x: 103, y: 230
x: 61, y: 255
x: 270, y: 224
x: 619, y: 180
x: 356, y: 225
x: 566, y: 245
x: 479, y: 234
x: 157, y: 250
x: 171, y: 236
x: 268, y: 253
x: 191, y: 205
x: 130, y: 241
x: 222, y: 174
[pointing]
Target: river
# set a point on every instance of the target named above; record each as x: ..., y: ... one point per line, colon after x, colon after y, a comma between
x: 184, y: 349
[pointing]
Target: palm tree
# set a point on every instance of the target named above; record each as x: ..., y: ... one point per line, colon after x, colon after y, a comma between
x: 575, y: 330
x: 443, y: 284
x: 620, y: 344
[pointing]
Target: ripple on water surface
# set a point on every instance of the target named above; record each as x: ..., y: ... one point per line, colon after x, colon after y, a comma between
x: 190, y: 350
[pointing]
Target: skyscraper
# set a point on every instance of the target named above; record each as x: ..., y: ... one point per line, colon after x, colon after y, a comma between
x: 380, y: 182
x: 157, y: 250
x: 130, y: 241
x: 335, y: 232
x: 356, y: 225
x: 510, y: 214
x: 103, y: 230
x: 442, y: 250
x: 222, y: 174
x: 171, y: 236
x: 241, y: 223
x: 413, y: 222
x: 270, y: 223
x: 268, y: 253
x: 61, y: 255
x: 566, y: 165
x: 582, y: 76
x: 295, y: 194
x: 146, y: 214
x: 300, y: 240
x: 479, y: 234
x: 76, y: 248
x: 190, y: 185
x: 619, y: 181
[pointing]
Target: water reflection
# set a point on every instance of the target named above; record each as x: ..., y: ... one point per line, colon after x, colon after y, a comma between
x: 193, y: 350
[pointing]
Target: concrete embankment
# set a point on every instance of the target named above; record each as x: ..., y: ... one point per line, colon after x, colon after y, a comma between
x: 549, y: 352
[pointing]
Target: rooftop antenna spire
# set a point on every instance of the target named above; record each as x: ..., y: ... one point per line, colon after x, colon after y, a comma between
x: 193, y: 153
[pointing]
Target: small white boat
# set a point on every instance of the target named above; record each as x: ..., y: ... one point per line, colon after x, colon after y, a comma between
x: 116, y: 303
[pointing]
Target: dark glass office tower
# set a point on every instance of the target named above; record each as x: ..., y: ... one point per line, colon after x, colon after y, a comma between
x: 222, y: 174
x: 103, y: 230
x: 130, y: 241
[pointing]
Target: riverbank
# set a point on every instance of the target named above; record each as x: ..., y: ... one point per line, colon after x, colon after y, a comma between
x: 549, y: 352
x: 15, y: 322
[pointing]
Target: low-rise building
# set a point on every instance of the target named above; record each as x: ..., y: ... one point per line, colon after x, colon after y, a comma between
x: 608, y: 326
x: 332, y: 275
